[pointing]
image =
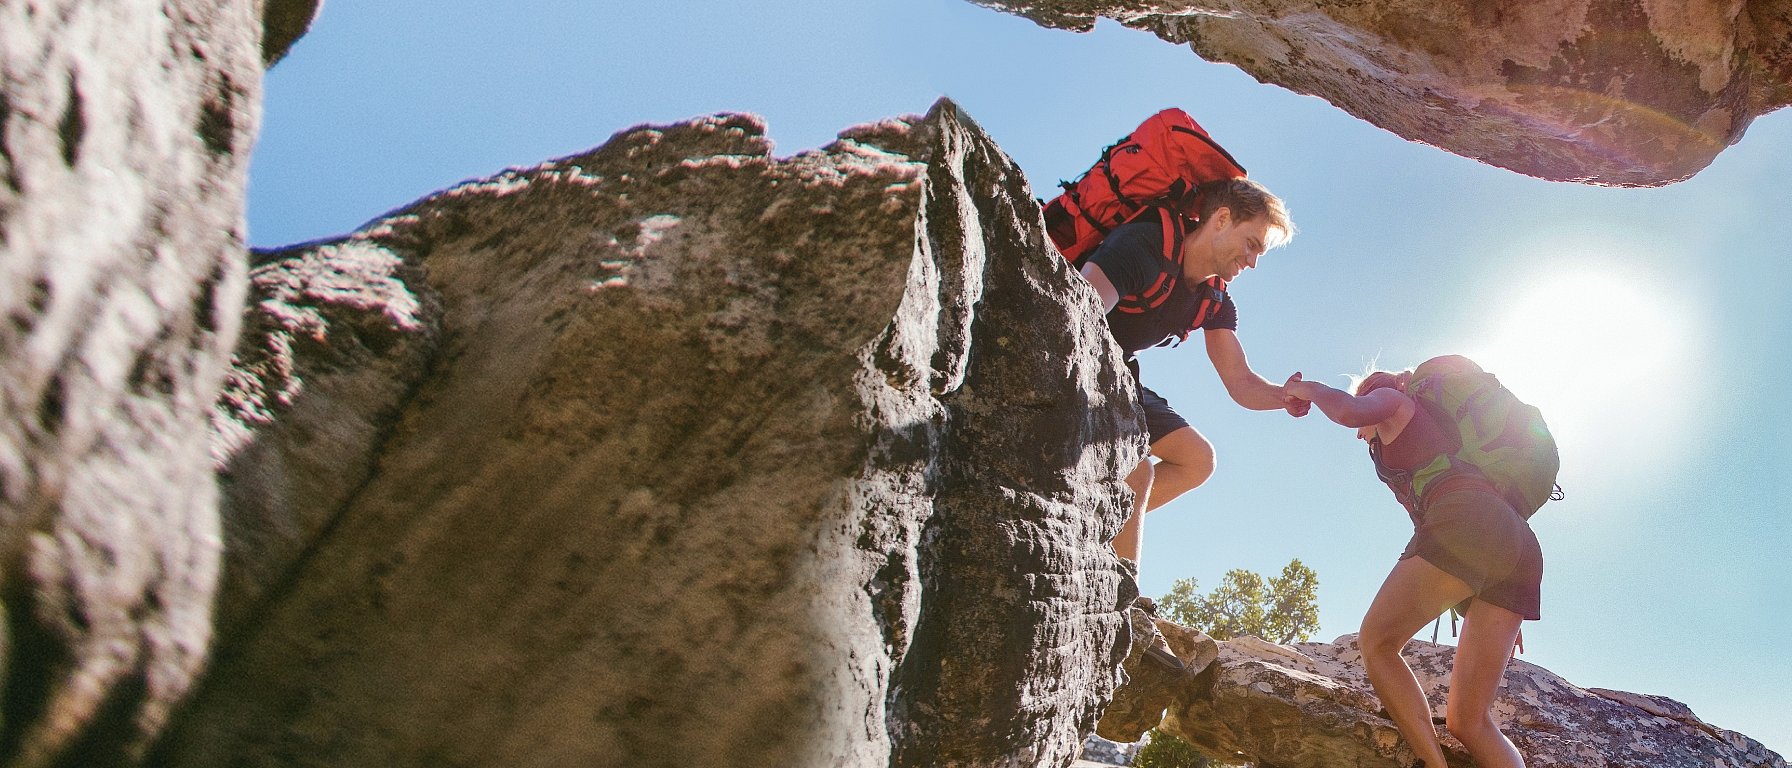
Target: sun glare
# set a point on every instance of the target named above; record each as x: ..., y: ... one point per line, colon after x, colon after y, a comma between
x: 1604, y: 354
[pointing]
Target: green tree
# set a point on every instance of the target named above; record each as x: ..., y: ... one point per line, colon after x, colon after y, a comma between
x: 1281, y: 609
x: 1166, y: 751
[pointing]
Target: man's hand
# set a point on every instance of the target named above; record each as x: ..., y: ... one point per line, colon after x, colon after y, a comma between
x: 1295, y: 406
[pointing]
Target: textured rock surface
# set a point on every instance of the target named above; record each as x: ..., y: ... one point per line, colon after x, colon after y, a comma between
x: 124, y: 135
x: 672, y: 453
x: 1100, y: 751
x: 1150, y: 688
x: 1310, y: 706
x: 1624, y: 92
x: 283, y: 23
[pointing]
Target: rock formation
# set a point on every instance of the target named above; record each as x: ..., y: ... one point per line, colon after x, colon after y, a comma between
x: 672, y: 453
x: 283, y: 23
x: 668, y: 453
x: 1620, y: 92
x: 124, y: 137
x: 1310, y: 705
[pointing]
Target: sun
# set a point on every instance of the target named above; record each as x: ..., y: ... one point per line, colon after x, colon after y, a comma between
x: 1603, y: 351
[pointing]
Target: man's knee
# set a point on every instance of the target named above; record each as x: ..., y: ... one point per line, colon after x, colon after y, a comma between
x: 1187, y: 449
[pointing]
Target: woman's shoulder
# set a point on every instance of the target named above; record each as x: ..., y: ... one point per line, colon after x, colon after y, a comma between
x: 1404, y: 409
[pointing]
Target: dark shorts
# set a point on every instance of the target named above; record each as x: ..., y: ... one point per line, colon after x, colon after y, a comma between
x: 1474, y: 535
x: 1160, y: 418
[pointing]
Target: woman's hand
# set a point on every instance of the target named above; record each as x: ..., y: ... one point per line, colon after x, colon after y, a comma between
x: 1297, y: 397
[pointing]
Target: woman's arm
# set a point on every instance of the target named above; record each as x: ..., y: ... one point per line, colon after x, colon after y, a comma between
x: 1349, y: 410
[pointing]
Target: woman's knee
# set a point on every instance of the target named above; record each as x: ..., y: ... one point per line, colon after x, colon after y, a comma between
x: 1377, y: 642
x: 1468, y: 726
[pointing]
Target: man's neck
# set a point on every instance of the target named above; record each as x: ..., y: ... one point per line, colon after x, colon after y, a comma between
x: 1197, y: 256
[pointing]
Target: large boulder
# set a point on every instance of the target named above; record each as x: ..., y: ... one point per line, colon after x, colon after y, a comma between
x: 125, y: 130
x: 1619, y: 92
x: 673, y: 453
x: 1310, y: 705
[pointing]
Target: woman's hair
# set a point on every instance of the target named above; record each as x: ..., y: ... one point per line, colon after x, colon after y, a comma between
x: 1248, y: 200
x: 1379, y: 379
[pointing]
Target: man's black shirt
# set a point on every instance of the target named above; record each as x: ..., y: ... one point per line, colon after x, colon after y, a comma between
x: 1132, y: 259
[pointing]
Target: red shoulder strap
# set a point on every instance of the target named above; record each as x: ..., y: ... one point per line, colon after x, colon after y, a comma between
x: 1155, y: 294
x: 1213, y: 291
x: 1213, y: 296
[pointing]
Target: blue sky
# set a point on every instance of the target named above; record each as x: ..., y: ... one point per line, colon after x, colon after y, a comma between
x: 1649, y: 324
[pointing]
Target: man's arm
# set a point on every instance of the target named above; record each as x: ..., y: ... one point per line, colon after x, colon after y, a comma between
x: 1243, y: 384
x: 1110, y: 295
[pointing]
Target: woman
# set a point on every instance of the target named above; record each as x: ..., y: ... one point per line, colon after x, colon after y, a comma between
x: 1468, y: 544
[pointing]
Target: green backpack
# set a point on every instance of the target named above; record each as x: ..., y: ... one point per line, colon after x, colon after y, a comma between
x: 1498, y: 437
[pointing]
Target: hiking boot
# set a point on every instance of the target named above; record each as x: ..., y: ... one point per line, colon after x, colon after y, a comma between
x: 1159, y: 651
x: 1146, y: 604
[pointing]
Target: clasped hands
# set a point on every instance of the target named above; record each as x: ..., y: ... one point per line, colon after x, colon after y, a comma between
x: 1292, y: 400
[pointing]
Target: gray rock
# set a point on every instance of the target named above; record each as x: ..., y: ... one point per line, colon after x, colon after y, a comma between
x: 1151, y: 687
x: 1100, y: 751
x: 1626, y: 92
x: 283, y: 23
x: 672, y: 453
x: 1310, y: 705
x: 125, y: 131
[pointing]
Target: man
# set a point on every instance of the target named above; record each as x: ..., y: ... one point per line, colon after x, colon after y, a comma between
x: 1239, y: 220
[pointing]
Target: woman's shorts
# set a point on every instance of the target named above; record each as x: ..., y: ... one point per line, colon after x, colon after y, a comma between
x: 1476, y: 536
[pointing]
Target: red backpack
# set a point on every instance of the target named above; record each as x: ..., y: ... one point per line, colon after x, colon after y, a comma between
x: 1159, y: 166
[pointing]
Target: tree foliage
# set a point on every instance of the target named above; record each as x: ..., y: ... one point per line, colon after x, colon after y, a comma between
x: 1280, y: 609
x: 1166, y: 751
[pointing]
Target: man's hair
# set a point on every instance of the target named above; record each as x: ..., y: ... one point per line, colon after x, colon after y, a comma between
x: 1248, y: 200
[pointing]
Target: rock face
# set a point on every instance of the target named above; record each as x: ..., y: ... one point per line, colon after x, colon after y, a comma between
x: 1620, y: 92
x: 1310, y: 706
x: 1139, y: 705
x: 124, y: 136
x: 283, y: 23
x: 672, y: 453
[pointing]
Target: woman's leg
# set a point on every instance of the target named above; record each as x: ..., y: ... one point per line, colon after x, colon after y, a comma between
x: 1488, y: 635
x: 1414, y: 594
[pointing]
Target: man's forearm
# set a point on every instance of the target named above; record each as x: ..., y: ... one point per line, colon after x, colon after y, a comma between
x: 1256, y: 393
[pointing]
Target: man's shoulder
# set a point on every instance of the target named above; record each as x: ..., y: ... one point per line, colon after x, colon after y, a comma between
x: 1136, y: 236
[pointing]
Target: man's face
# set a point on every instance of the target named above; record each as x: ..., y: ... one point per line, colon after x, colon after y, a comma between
x: 1231, y: 247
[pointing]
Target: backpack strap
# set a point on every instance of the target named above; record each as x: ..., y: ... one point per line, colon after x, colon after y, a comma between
x: 1212, y: 292
x: 1107, y: 169
x: 1399, y: 481
x: 1213, y: 296
x: 1170, y: 271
